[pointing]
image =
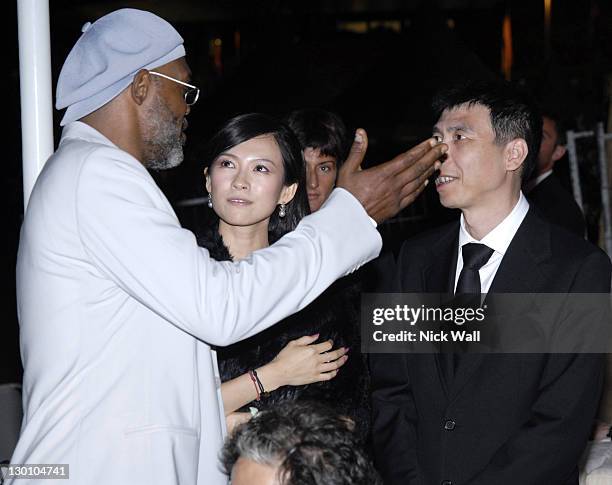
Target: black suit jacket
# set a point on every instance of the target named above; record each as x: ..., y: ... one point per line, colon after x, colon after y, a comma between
x: 557, y: 205
x: 504, y: 418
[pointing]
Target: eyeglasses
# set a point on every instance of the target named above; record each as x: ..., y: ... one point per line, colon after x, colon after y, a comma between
x: 191, y: 94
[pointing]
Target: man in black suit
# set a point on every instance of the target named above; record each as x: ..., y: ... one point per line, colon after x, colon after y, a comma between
x: 545, y: 191
x: 488, y: 419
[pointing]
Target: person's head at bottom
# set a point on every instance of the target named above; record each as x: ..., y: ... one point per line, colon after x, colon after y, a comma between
x: 297, y: 443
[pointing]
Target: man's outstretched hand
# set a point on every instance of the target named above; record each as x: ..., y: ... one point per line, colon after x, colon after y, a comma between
x: 386, y: 189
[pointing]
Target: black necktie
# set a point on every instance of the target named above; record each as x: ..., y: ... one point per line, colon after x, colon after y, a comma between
x: 475, y: 256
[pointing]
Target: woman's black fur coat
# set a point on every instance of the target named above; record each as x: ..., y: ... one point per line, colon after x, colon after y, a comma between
x: 334, y: 315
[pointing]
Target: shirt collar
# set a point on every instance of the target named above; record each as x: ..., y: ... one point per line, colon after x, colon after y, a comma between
x: 500, y: 237
x: 542, y: 176
x: 83, y: 131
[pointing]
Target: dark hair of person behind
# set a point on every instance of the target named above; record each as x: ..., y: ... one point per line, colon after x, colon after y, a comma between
x: 560, y: 123
x: 310, y: 443
x: 244, y: 127
x: 514, y: 113
x: 322, y: 130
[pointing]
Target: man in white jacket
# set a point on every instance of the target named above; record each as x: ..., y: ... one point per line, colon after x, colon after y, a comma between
x: 118, y: 306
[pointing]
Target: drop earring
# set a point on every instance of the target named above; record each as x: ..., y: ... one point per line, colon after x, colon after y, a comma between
x: 210, y: 200
x: 281, y: 211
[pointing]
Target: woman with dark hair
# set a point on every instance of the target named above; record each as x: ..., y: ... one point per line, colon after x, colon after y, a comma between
x: 259, y: 129
x: 255, y: 180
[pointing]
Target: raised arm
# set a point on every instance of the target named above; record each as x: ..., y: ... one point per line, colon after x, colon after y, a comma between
x: 134, y: 239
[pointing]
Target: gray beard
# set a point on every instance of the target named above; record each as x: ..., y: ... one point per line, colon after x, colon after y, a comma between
x: 163, y: 141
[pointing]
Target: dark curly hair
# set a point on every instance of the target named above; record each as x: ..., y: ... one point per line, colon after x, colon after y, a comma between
x: 309, y: 443
x: 247, y: 126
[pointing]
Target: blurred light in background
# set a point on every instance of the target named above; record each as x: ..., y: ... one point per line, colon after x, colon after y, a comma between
x: 506, y: 62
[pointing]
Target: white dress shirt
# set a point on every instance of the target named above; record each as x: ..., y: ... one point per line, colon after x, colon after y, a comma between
x: 498, y: 239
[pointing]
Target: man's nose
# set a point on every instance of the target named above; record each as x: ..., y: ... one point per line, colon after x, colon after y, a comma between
x: 449, y: 152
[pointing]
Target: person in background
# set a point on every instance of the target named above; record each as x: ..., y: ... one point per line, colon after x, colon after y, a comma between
x: 299, y: 443
x: 324, y: 141
x: 544, y: 190
x: 325, y: 144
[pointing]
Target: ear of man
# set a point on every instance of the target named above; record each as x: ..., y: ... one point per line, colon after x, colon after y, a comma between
x: 141, y: 87
x: 558, y: 152
x: 516, y: 153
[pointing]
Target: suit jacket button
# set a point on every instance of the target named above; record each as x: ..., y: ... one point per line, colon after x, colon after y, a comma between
x: 449, y: 425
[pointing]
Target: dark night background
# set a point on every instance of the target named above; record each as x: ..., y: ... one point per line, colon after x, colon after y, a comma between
x: 376, y: 63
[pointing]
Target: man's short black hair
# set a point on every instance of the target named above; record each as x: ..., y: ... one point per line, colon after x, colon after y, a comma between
x: 322, y: 130
x: 310, y: 444
x: 514, y: 113
x: 560, y: 124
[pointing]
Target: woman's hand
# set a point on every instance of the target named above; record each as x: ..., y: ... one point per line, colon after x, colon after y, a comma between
x: 303, y: 362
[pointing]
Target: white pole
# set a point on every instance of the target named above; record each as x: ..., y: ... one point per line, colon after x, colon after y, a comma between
x: 35, y: 84
x: 605, y: 186
x: 572, y: 136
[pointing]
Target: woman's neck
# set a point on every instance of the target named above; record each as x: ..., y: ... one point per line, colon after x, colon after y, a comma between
x: 241, y: 241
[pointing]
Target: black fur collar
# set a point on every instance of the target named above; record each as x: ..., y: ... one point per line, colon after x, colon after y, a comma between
x: 212, y: 240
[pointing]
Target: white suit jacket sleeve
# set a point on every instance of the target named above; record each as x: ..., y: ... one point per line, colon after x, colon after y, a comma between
x: 132, y: 235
